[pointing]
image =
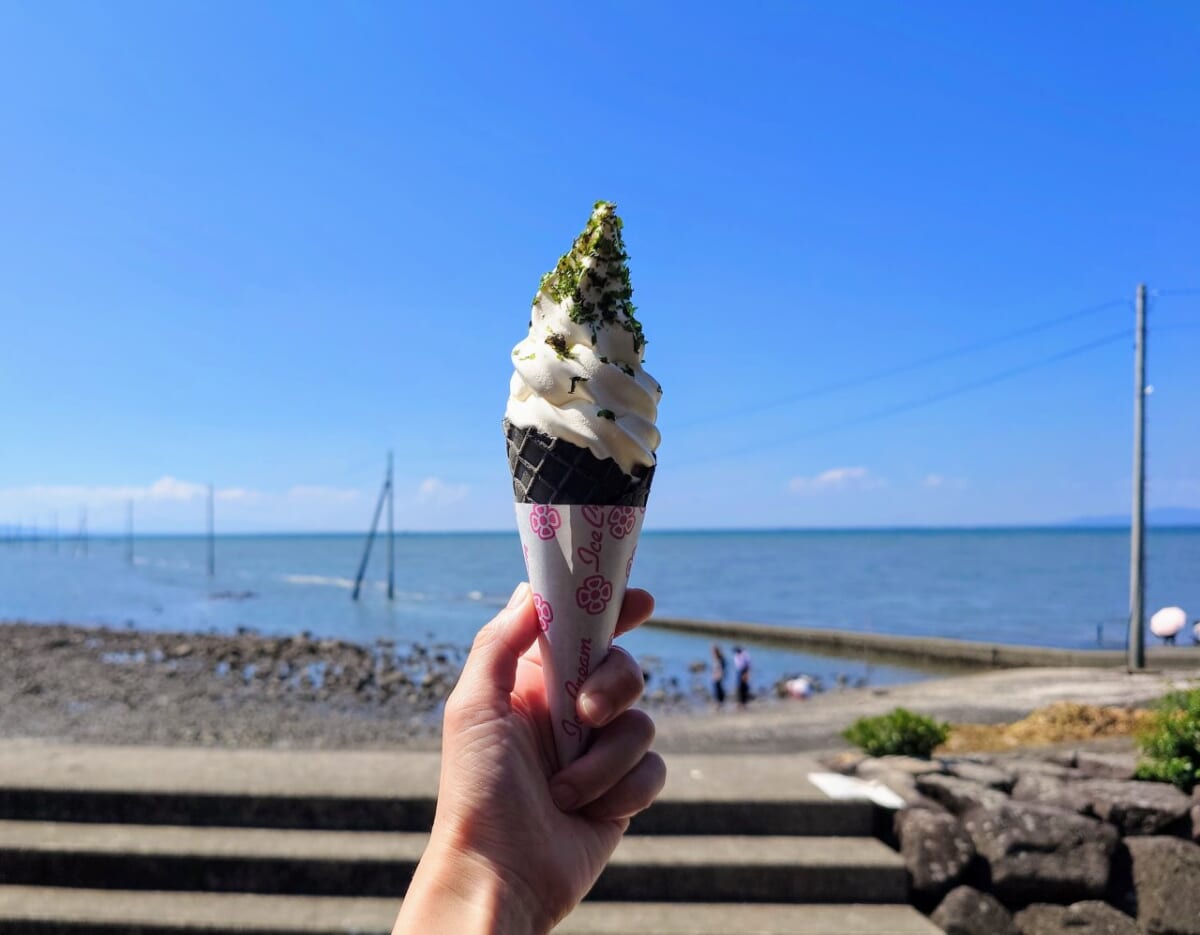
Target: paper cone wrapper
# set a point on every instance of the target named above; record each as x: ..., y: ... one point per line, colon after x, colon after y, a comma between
x: 579, y: 559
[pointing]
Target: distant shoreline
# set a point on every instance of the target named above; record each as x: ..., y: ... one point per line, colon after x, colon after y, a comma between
x: 1067, y: 528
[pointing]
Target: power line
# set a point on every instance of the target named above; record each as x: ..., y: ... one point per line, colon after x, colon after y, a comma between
x: 923, y: 401
x: 950, y: 354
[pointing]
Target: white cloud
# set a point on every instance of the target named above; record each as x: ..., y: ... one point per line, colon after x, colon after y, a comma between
x: 170, y: 488
x: 835, y: 479
x: 437, y: 491
x: 934, y: 480
x: 165, y: 489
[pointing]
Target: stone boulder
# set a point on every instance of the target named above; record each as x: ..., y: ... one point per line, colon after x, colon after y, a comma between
x: 966, y: 911
x: 913, y: 765
x: 1166, y: 881
x: 1087, y: 918
x: 1036, y: 853
x: 1196, y: 814
x: 1022, y: 765
x: 959, y: 795
x: 905, y: 786
x: 994, y: 777
x: 1048, y: 790
x: 1106, y: 765
x: 1134, y: 807
x: 935, y: 848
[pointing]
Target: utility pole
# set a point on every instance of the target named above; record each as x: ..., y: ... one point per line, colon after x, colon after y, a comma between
x: 1137, y: 529
x: 129, y: 531
x: 212, y: 546
x: 384, y: 492
x: 391, y: 531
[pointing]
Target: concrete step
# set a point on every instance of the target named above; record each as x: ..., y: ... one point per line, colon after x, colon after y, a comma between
x: 60, y: 911
x: 378, y: 791
x: 358, y: 863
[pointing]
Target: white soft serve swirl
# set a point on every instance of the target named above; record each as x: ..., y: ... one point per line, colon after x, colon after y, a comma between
x: 541, y: 396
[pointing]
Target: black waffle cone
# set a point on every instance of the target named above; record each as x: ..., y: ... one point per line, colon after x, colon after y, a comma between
x: 549, y: 470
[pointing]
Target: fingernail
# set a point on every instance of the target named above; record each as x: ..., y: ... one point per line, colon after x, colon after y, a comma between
x: 596, y: 708
x: 518, y: 596
x: 565, y: 796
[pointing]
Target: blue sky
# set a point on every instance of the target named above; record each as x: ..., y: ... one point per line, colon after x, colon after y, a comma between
x: 259, y: 244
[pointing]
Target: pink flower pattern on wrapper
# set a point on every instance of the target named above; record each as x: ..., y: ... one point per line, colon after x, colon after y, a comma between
x: 544, y: 521
x: 621, y: 521
x: 594, y: 594
x: 629, y: 564
x: 545, y: 613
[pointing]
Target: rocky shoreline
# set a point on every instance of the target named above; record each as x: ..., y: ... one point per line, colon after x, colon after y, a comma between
x: 109, y: 685
x: 1031, y: 844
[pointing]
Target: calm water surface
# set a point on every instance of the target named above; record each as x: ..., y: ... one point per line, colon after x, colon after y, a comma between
x: 1045, y: 587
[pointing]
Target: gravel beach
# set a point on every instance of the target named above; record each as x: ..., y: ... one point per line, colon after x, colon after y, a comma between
x: 98, y: 685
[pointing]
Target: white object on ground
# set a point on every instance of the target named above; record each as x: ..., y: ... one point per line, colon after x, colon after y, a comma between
x: 837, y: 786
x: 1168, y: 622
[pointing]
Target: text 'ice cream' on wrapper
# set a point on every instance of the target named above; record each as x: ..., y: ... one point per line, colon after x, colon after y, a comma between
x: 581, y: 435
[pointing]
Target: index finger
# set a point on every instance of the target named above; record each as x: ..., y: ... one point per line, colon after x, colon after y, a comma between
x: 636, y: 610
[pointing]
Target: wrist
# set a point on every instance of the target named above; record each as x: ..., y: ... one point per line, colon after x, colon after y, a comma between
x: 454, y: 891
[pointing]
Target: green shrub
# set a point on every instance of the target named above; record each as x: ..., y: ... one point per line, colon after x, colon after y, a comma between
x: 1171, y: 743
x: 898, y: 732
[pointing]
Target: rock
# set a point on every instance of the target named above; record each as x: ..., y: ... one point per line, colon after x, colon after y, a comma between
x: 935, y: 849
x: 1166, y: 879
x: 1021, y: 765
x: 1087, y: 918
x: 1040, y: 853
x: 1136, y: 807
x: 844, y: 761
x: 958, y: 795
x: 994, y: 777
x: 914, y: 766
x: 1196, y: 823
x: 966, y: 911
x: 1047, y: 790
x: 1106, y: 765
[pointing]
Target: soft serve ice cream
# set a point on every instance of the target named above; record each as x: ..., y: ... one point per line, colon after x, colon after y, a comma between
x: 579, y: 375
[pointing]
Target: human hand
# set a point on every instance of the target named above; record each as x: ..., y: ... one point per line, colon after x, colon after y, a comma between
x: 516, y: 843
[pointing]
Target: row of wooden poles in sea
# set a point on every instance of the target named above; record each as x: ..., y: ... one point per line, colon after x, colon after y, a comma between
x: 33, y: 536
x: 77, y: 542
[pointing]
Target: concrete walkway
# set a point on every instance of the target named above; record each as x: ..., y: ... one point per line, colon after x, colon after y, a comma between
x: 982, y: 698
x: 301, y: 842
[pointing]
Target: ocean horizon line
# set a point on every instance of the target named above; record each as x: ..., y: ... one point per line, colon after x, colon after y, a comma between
x: 1065, y: 527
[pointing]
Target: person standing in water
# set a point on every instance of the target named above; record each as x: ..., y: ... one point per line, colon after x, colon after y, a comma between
x: 718, y: 675
x: 741, y: 665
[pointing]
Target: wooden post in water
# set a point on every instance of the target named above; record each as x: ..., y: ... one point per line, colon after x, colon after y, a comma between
x: 391, y: 531
x: 362, y: 566
x: 1136, y: 650
x: 212, y: 545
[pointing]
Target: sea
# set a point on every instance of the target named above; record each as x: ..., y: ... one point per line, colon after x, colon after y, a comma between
x: 1047, y: 587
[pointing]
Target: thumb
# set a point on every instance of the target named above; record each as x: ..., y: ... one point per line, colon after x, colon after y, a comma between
x: 491, y: 668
